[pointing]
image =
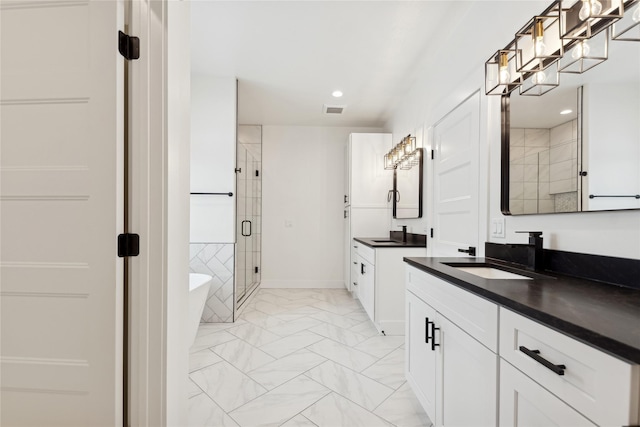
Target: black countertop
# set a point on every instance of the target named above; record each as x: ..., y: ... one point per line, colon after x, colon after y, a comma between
x: 375, y: 242
x: 601, y: 315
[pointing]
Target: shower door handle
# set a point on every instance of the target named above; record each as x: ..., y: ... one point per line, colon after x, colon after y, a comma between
x: 242, y: 228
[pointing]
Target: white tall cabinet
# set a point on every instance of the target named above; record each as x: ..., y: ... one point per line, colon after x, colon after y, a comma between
x: 367, y: 213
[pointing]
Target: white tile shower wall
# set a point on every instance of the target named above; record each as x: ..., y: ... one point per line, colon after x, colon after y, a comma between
x: 216, y: 260
x: 529, y: 171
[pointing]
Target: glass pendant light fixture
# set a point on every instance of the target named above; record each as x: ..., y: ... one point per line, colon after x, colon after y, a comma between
x: 501, y: 76
x: 586, y: 54
x: 538, y: 43
x: 628, y: 28
x: 403, y: 155
x: 540, y: 82
x: 583, y: 19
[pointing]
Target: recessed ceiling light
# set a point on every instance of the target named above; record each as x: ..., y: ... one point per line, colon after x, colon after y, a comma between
x: 563, y: 112
x: 337, y: 94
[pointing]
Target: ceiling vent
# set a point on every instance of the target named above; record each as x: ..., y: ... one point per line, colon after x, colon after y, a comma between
x: 333, y: 109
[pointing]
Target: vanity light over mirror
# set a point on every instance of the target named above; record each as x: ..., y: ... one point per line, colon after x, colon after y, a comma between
x: 576, y: 148
x: 405, y: 158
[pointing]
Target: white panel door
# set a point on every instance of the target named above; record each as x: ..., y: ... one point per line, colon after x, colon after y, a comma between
x: 61, y: 211
x: 456, y: 140
x: 370, y: 181
x: 525, y: 403
x: 420, y: 364
x: 468, y: 379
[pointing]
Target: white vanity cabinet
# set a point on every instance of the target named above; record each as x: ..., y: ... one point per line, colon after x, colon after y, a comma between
x: 455, y: 365
x: 379, y: 283
x: 584, y: 383
x: 451, y: 363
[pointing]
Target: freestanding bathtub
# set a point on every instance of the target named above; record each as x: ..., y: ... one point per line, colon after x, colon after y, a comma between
x: 199, y: 285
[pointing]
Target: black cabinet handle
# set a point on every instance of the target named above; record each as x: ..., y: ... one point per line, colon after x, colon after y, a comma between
x: 355, y: 262
x: 362, y: 268
x: 426, y: 330
x: 535, y: 355
x: 433, y: 336
x: 355, y: 284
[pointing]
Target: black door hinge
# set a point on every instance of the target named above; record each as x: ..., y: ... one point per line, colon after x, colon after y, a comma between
x: 433, y: 154
x: 582, y: 173
x: 238, y: 170
x: 431, y: 233
x: 128, y: 46
x: 128, y: 245
x: 257, y: 173
x: 257, y: 270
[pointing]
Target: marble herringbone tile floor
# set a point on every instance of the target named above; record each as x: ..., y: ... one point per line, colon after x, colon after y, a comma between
x: 300, y: 357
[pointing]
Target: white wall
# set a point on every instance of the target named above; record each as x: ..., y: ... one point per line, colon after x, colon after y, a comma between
x: 438, y: 89
x: 302, y: 193
x: 213, y: 158
x: 613, y: 167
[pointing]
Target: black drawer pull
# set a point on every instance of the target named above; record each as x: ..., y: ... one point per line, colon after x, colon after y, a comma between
x: 535, y: 355
x: 362, y: 270
x: 433, y: 336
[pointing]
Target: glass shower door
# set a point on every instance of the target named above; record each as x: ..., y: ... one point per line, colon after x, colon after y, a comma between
x: 248, y: 222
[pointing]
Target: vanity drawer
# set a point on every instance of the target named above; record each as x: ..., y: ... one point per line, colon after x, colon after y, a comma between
x: 477, y: 316
x: 601, y: 387
x: 365, y: 252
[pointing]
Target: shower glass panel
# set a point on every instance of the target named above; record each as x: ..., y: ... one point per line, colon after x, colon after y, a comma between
x: 248, y: 221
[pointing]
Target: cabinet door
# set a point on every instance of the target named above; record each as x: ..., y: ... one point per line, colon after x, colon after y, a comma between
x: 524, y: 403
x: 370, y: 181
x: 366, y: 284
x: 467, y: 386
x: 420, y: 364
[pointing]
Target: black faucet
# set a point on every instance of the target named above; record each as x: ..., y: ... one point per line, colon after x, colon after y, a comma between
x: 404, y: 233
x: 535, y: 254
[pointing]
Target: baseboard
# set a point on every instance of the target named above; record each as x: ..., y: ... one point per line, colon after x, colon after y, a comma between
x: 302, y: 284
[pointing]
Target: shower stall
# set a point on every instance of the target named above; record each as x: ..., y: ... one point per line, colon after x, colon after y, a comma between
x: 248, y: 212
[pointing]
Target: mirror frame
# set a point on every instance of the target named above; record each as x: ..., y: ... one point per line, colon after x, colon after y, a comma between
x: 505, y: 125
x: 420, y: 189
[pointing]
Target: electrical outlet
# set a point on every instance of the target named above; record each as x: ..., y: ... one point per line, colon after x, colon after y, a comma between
x: 498, y: 228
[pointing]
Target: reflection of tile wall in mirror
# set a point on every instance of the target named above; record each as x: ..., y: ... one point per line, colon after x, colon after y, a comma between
x: 543, y: 165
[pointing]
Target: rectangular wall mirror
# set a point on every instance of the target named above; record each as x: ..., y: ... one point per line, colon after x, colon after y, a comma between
x: 577, y: 147
x: 407, y: 190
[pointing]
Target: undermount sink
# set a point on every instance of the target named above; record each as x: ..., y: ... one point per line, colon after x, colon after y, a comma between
x: 492, y: 273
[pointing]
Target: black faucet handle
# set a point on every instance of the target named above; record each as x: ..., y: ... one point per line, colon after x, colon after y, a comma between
x: 535, y: 237
x: 532, y: 233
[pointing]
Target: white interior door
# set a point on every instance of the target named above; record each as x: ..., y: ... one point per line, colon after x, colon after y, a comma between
x: 61, y: 211
x: 456, y: 140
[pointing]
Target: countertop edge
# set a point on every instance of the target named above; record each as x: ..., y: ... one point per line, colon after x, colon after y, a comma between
x: 369, y: 241
x: 603, y: 343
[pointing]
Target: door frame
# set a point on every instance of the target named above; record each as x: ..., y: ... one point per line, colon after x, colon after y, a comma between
x: 159, y: 104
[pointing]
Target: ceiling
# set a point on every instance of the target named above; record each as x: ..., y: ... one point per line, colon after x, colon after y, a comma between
x: 289, y: 56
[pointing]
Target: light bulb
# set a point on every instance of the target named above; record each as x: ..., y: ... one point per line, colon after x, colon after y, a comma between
x: 581, y: 50
x: 538, y: 38
x: 636, y: 15
x: 589, y: 8
x: 503, y: 75
x: 540, y: 46
x: 539, y: 77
